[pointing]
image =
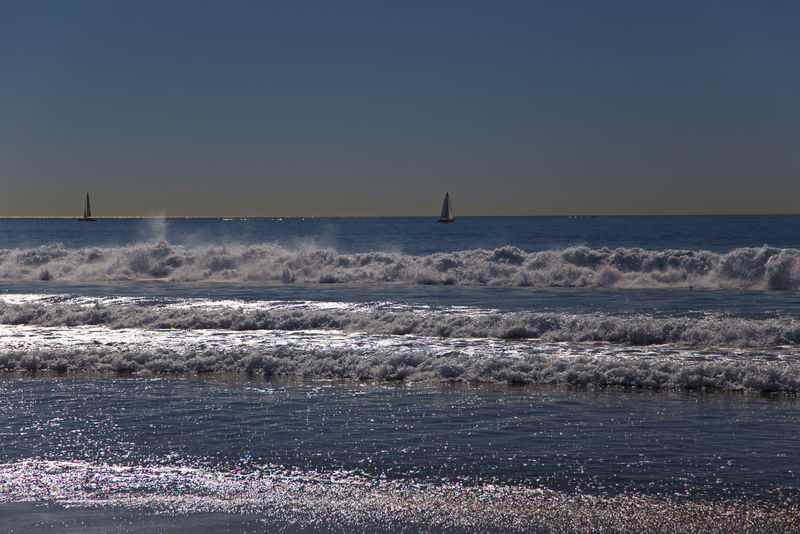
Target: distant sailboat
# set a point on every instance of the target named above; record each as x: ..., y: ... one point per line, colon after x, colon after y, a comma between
x: 447, y: 215
x: 87, y: 211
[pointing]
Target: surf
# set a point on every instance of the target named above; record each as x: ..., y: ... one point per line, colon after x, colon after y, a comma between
x: 763, y: 268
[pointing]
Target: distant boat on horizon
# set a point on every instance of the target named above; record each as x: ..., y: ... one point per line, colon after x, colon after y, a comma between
x: 447, y: 215
x: 87, y: 211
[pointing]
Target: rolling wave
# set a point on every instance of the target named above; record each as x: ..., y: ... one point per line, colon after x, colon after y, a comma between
x: 392, y: 342
x: 699, y: 330
x: 371, y: 359
x: 744, y: 268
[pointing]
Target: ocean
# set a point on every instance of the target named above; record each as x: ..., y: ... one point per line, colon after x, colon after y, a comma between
x: 497, y: 374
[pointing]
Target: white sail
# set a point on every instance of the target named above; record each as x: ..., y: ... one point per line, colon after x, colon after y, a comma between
x: 447, y: 215
x: 87, y: 210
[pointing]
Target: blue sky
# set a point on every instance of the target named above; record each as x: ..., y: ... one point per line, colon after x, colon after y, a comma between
x: 377, y: 108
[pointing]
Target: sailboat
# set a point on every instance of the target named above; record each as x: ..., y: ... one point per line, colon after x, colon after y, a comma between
x: 447, y: 215
x: 87, y: 211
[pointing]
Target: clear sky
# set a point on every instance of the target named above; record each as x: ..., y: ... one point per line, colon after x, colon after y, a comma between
x: 258, y: 108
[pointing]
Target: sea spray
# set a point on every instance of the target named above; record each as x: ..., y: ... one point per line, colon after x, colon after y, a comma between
x: 155, y: 229
x: 745, y: 268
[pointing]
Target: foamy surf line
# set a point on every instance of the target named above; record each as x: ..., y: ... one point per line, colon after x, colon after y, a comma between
x: 697, y: 330
x: 327, y: 354
x: 347, y: 501
x: 744, y: 268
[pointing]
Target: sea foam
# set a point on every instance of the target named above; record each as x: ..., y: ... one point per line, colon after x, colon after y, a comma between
x: 580, y: 266
x: 393, y: 342
x: 698, y: 330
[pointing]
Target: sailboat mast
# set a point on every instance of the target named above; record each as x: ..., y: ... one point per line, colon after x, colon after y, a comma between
x: 446, y: 206
x: 447, y: 210
x: 87, y: 210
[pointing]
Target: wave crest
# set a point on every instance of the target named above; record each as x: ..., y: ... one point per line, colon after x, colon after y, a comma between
x: 632, y: 329
x: 388, y: 341
x: 745, y: 268
x: 732, y: 372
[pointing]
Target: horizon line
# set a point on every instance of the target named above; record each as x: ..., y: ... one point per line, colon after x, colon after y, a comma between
x: 573, y: 215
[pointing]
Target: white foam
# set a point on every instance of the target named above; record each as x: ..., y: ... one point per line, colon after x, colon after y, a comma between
x: 745, y: 268
x: 337, y: 354
x: 382, y: 318
x: 391, y: 341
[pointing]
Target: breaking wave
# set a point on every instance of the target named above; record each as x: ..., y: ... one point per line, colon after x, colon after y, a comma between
x: 744, y: 268
x: 544, y: 365
x: 392, y: 342
x: 699, y: 330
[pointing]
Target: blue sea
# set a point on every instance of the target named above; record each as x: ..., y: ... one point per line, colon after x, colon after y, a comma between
x: 497, y: 374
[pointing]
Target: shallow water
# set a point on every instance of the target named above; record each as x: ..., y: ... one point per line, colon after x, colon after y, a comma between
x: 177, y: 445
x: 592, y: 441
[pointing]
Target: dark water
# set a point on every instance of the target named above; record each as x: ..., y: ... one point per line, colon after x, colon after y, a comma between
x: 416, y: 235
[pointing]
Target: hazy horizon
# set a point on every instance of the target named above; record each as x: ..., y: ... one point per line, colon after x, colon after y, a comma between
x: 361, y: 109
x: 370, y: 216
